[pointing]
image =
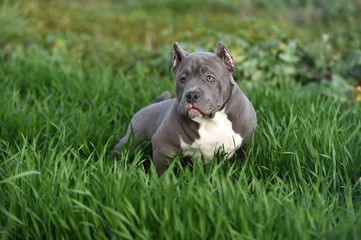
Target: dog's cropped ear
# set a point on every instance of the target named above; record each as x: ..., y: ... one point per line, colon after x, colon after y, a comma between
x: 179, y: 54
x: 224, y: 54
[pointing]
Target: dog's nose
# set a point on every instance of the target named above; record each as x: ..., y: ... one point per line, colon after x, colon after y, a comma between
x: 193, y: 96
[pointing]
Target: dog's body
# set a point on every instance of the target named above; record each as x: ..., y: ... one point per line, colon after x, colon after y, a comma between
x: 210, y: 111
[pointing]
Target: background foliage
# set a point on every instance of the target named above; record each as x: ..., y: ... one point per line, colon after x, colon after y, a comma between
x: 72, y: 73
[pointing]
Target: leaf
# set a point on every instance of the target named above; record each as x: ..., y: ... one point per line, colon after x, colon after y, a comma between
x: 20, y: 175
x: 11, y: 216
x: 289, y: 58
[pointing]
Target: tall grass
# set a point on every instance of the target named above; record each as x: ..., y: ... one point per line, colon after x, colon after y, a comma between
x: 60, y: 118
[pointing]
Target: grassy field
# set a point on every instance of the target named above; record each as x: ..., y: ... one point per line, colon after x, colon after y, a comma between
x: 72, y: 76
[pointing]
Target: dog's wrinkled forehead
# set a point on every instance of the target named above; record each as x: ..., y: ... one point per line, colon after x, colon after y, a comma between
x: 217, y: 61
x: 200, y: 63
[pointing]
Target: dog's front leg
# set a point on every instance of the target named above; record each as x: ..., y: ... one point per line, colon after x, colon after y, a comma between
x: 161, y: 161
x: 164, y: 150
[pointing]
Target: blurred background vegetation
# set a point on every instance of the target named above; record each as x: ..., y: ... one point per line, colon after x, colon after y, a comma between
x: 310, y: 41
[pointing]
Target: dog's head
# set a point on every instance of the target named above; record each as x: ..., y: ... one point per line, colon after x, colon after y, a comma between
x: 203, y: 80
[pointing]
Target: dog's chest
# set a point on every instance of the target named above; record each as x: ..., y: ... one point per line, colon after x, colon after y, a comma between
x: 215, y: 134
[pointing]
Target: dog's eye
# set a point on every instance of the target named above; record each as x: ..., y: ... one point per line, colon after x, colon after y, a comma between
x: 182, y: 79
x: 210, y: 78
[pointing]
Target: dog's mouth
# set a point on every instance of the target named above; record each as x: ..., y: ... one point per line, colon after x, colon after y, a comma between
x: 194, y: 112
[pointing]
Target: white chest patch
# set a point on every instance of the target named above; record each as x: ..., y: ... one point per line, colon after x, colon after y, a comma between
x: 215, y: 134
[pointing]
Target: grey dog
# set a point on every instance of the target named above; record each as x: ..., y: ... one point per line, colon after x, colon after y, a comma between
x: 210, y: 111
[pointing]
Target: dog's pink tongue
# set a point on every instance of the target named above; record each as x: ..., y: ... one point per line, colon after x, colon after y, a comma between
x: 194, y: 113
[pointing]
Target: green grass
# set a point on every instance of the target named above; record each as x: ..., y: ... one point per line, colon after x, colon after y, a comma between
x: 60, y: 120
x: 61, y: 113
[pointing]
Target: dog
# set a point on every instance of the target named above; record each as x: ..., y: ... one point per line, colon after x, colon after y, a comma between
x: 210, y: 111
